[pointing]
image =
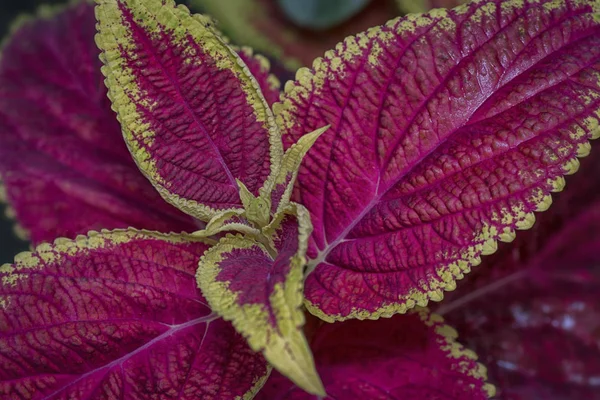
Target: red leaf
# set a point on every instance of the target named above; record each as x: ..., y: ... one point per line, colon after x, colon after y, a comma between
x: 448, y: 130
x: 62, y: 155
x: 117, y: 315
x: 192, y: 114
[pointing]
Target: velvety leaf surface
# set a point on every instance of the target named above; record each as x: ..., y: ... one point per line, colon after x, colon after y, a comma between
x: 262, y: 25
x: 260, y: 290
x: 62, y: 157
x: 447, y: 131
x: 194, y: 118
x: 407, y: 357
x: 533, y: 312
x: 422, y: 6
x: 117, y: 316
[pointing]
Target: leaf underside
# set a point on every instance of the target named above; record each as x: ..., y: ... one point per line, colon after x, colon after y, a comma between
x: 258, y: 23
x: 448, y: 130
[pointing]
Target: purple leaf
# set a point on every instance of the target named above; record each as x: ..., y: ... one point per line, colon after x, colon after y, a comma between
x: 260, y: 68
x: 258, y: 286
x: 448, y: 130
x: 117, y: 315
x: 62, y: 157
x: 413, y: 356
x: 533, y: 312
x: 192, y: 114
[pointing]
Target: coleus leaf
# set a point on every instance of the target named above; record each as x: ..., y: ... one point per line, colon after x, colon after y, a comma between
x: 192, y: 114
x: 63, y: 162
x: 260, y: 67
x: 448, y: 130
x: 261, y: 25
x: 258, y: 286
x: 413, y: 356
x: 117, y: 315
x: 422, y: 6
x: 533, y: 313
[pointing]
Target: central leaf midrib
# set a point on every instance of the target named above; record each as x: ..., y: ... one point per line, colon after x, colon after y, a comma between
x: 322, y: 256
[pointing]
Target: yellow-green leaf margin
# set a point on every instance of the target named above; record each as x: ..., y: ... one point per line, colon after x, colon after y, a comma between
x: 114, y: 37
x: 283, y: 345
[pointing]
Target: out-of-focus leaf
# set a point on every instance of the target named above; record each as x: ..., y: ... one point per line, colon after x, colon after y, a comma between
x: 258, y: 286
x: 407, y: 357
x: 261, y: 25
x: 422, y: 6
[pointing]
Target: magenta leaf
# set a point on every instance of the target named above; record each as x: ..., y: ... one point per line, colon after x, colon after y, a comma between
x: 448, y: 130
x: 192, y: 114
x: 533, y: 313
x: 413, y: 356
x: 260, y: 68
x: 117, y: 315
x: 257, y: 284
x: 63, y: 160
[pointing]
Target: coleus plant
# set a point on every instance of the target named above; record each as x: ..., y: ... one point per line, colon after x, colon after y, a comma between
x: 375, y: 181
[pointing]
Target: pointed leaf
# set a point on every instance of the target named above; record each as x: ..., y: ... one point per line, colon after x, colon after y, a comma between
x: 290, y: 164
x: 117, y: 315
x: 260, y: 25
x: 533, y: 313
x: 448, y: 130
x: 261, y: 293
x: 412, y: 356
x: 192, y: 115
x: 64, y: 164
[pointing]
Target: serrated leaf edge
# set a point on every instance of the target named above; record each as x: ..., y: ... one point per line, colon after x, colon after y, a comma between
x: 313, y: 79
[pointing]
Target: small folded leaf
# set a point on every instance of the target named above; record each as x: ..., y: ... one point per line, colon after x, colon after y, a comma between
x: 448, y: 130
x: 412, y: 356
x: 64, y: 164
x: 258, y: 286
x: 533, y: 314
x: 259, y: 24
x: 192, y: 114
x: 258, y: 208
x: 229, y: 221
x: 117, y: 315
x: 290, y: 164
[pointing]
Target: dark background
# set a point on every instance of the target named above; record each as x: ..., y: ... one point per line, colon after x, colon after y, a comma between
x: 9, y: 9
